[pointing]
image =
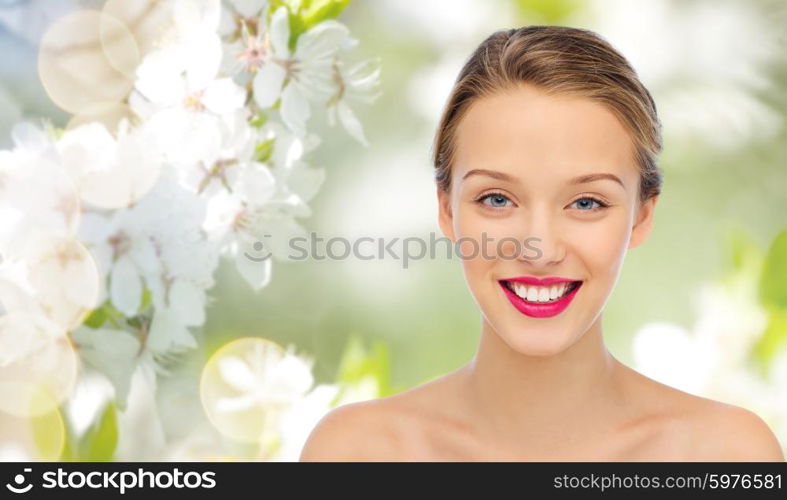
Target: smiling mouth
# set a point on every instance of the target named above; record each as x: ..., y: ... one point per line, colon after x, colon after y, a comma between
x: 541, y: 294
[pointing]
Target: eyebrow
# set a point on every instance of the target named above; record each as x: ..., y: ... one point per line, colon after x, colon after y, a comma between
x: 489, y: 173
x: 582, y: 179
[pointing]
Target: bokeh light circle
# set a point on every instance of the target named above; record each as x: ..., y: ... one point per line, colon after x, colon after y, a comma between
x: 36, y: 383
x: 65, y: 278
x: 236, y: 393
x: 87, y: 57
x: 147, y: 20
x: 26, y: 439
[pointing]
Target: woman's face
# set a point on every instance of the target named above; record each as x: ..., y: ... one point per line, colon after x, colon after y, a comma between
x: 542, y: 187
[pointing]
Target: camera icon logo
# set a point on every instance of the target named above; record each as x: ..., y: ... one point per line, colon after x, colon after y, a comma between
x: 19, y: 480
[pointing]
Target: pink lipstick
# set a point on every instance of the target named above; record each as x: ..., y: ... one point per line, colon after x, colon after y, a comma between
x: 540, y: 306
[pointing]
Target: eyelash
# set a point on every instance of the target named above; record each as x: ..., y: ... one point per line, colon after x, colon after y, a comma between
x: 480, y: 199
x: 601, y: 204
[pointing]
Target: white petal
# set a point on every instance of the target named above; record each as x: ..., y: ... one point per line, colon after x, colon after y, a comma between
x: 140, y: 105
x: 28, y: 136
x: 203, y: 61
x: 305, y: 182
x: 159, y: 76
x: 364, y: 76
x: 187, y: 303
x: 291, y: 377
x: 249, y: 8
x: 351, y: 123
x: 321, y: 41
x: 112, y: 352
x: 257, y: 183
x: 316, y: 81
x: 267, y: 84
x: 130, y: 175
x: 280, y: 33
x: 254, y: 265
x: 91, y: 393
x: 144, y: 256
x: 211, y: 15
x: 167, y: 333
x: 223, y: 96
x: 294, y: 109
x: 230, y: 405
x: 239, y: 138
x: 310, y: 142
x: 221, y: 210
x: 94, y: 228
x: 236, y: 373
x: 102, y: 255
x: 282, y: 231
x: 186, y: 137
x: 81, y: 279
x: 287, y: 148
x: 125, y: 287
x: 300, y: 418
x: 226, y: 23
x: 87, y: 148
x: 195, y: 17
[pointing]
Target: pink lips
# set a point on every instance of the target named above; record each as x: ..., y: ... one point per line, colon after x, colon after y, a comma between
x: 539, y: 310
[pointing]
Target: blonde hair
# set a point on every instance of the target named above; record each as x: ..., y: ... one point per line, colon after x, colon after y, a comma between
x: 555, y: 59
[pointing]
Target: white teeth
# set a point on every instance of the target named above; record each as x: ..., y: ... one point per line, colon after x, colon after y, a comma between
x: 539, y: 293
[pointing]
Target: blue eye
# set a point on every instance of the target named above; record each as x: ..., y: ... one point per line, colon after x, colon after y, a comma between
x: 494, y: 200
x: 585, y: 204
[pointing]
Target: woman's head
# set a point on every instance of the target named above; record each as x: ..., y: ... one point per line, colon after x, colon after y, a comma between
x: 545, y: 162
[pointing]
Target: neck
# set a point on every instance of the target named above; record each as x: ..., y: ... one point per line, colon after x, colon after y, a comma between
x: 536, y: 398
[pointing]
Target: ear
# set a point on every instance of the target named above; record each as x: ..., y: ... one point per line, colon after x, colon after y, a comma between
x: 644, y: 222
x: 445, y: 215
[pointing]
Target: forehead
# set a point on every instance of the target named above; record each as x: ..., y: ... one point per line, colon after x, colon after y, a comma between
x: 525, y: 128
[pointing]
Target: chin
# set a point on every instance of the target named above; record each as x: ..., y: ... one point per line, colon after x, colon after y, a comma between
x: 536, y: 342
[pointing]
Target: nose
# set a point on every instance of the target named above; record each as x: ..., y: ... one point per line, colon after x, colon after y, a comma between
x: 544, y: 244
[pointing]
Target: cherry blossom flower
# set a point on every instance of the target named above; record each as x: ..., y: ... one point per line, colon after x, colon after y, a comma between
x: 357, y: 83
x: 303, y: 75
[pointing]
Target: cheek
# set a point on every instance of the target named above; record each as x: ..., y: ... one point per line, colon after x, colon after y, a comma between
x: 478, y: 246
x: 602, y: 245
x: 483, y: 240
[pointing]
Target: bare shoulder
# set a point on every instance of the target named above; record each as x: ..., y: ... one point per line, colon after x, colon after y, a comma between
x: 376, y: 430
x: 684, y: 426
x: 727, y: 432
